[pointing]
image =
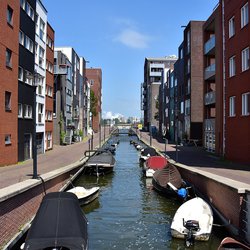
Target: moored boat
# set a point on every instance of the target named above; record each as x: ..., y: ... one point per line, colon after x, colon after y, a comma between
x: 59, y: 224
x: 154, y: 163
x: 85, y: 196
x: 192, y: 221
x: 101, y: 163
x: 146, y: 153
x: 229, y: 243
x: 169, y: 183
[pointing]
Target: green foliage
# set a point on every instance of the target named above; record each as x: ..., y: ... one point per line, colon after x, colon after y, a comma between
x: 93, y: 103
x: 80, y: 133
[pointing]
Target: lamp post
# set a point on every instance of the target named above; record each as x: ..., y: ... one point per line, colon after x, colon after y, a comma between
x: 92, y: 131
x: 34, y: 77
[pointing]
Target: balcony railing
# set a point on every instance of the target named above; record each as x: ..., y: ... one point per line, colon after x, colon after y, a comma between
x: 210, y: 98
x: 209, y: 47
x: 210, y: 72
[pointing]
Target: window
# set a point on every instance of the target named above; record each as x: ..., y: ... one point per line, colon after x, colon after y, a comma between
x: 49, y: 140
x: 188, y: 42
x: 40, y: 113
x: 29, y: 44
x: 28, y: 77
x: 232, y: 68
x: 91, y: 82
x: 30, y: 12
x: 10, y: 15
x: 246, y: 104
x: 188, y: 66
x: 7, y: 101
x: 231, y: 26
x: 232, y: 106
x: 42, y: 29
x: 187, y: 107
x: 20, y: 73
x: 20, y: 110
x: 22, y: 4
x: 7, y: 139
x: 8, y: 58
x: 21, y: 37
x: 27, y: 111
x: 68, y: 108
x: 41, y: 57
x: 245, y: 59
x: 182, y: 107
x: 244, y: 15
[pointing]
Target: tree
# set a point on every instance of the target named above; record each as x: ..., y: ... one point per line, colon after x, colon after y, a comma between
x: 93, y: 103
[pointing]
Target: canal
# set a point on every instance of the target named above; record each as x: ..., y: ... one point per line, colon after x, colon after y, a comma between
x: 129, y: 214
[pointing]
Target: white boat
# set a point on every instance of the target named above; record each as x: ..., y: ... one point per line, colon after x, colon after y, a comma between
x: 85, y: 196
x: 192, y: 221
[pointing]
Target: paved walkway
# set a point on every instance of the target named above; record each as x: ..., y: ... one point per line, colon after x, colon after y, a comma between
x: 201, y: 159
x: 62, y: 156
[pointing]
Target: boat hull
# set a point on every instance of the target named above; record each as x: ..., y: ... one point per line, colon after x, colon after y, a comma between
x: 196, y: 210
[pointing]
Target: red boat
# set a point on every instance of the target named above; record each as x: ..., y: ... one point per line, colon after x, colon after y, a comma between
x: 154, y: 163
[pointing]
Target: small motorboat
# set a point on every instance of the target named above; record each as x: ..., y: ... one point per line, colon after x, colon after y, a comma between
x: 154, y: 163
x: 101, y: 163
x: 229, y: 243
x: 58, y: 224
x: 85, y: 196
x: 146, y: 153
x: 192, y: 221
x: 168, y: 182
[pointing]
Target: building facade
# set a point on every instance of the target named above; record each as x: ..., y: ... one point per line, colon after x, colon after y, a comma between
x: 236, y: 83
x: 9, y: 51
x: 40, y: 71
x: 49, y: 88
x: 26, y: 88
x: 94, y: 76
x: 154, y: 69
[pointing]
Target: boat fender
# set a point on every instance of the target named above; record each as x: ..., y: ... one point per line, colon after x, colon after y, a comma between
x: 182, y: 192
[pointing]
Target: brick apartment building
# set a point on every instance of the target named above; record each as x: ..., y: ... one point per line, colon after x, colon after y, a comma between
x: 237, y: 84
x: 94, y: 76
x: 49, y: 88
x: 9, y: 30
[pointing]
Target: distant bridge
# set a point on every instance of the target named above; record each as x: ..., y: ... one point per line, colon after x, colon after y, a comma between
x: 123, y: 129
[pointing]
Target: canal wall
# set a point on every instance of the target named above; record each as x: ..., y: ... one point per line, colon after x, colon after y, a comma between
x: 20, y: 202
x: 229, y: 199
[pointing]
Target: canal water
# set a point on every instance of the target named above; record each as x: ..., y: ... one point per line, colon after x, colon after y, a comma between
x: 129, y: 214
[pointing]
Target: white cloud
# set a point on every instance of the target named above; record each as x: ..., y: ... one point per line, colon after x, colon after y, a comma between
x: 110, y: 115
x: 133, y: 38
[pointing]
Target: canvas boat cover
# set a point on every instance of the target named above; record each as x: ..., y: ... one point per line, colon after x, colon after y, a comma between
x: 149, y: 151
x: 156, y: 162
x: 168, y: 174
x: 59, y: 222
x: 101, y: 157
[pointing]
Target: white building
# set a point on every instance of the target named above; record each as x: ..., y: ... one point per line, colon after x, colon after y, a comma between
x: 40, y: 69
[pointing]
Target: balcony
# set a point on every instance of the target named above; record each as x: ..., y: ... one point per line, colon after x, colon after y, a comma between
x: 210, y: 72
x: 209, y: 98
x: 60, y: 69
x: 209, y: 47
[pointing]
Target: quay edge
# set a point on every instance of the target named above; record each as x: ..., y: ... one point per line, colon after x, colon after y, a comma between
x: 229, y: 199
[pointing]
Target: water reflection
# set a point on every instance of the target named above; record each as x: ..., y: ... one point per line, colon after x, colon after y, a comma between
x: 129, y: 214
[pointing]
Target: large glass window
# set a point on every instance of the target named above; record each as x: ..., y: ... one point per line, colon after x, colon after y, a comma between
x: 231, y: 26
x: 245, y: 59
x: 232, y: 67
x: 232, y: 106
x: 246, y: 103
x: 244, y: 15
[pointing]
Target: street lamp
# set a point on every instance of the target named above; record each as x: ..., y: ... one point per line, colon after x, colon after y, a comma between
x: 91, y: 115
x: 34, y: 77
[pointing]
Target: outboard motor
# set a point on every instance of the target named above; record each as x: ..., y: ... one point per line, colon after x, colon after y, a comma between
x: 192, y: 226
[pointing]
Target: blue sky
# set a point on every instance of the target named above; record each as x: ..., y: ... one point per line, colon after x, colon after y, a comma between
x: 117, y: 35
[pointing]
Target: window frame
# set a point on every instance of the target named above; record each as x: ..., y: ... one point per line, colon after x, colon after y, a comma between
x: 231, y: 27
x: 232, y: 112
x: 245, y: 59
x: 232, y: 66
x: 245, y: 102
x: 244, y: 15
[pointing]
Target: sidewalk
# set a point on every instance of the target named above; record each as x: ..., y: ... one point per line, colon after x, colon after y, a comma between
x: 201, y: 159
x: 60, y: 156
